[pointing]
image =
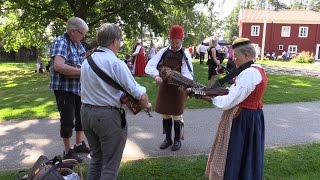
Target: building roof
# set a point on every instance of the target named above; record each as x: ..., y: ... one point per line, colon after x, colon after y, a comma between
x: 301, y: 16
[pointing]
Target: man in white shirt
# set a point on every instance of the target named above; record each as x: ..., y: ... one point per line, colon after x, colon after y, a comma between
x: 203, y: 50
x: 171, y: 99
x: 103, y: 119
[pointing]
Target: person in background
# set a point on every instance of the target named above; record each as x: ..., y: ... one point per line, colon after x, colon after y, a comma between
x: 103, y: 119
x: 213, y: 61
x: 139, y: 60
x: 230, y: 64
x: 127, y: 58
x: 152, y: 51
x: 39, y: 65
x: 67, y: 54
x: 191, y: 51
x: 171, y: 99
x: 195, y: 53
x: 238, y: 151
x: 203, y: 50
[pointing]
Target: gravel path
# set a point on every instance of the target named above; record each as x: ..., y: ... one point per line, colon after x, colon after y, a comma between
x: 313, y: 71
x: 286, y: 124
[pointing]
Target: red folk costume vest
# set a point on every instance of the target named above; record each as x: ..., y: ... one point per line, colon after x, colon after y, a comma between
x: 171, y: 99
x: 254, y: 100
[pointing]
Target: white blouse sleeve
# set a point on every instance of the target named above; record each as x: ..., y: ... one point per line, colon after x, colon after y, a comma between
x: 151, y: 67
x: 244, y: 85
x: 136, y: 51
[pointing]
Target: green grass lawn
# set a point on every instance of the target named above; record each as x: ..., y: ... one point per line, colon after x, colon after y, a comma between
x: 26, y: 95
x: 289, y: 163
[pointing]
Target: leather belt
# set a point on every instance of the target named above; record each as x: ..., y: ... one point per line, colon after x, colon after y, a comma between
x: 96, y: 106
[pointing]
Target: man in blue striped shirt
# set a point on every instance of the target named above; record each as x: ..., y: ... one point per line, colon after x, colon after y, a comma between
x: 67, y: 54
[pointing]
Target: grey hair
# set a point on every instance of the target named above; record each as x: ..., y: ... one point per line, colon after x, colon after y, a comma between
x: 247, y: 49
x: 76, y: 23
x: 107, y: 33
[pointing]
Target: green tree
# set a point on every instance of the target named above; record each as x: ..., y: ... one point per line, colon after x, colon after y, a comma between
x: 298, y: 4
x: 314, y: 4
x: 195, y: 24
x: 277, y: 4
x: 231, y: 24
x: 133, y: 16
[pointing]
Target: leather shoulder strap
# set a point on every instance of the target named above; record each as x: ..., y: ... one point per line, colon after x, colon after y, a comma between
x: 221, y: 82
x: 106, y: 77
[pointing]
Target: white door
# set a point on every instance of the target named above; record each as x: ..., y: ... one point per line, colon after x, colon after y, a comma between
x: 317, y: 55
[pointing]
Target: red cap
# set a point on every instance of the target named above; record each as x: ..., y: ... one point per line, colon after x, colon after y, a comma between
x: 176, y: 32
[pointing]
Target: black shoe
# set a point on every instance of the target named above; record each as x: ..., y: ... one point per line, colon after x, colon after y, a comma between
x: 82, y: 148
x: 176, y: 145
x: 165, y: 144
x: 72, y: 155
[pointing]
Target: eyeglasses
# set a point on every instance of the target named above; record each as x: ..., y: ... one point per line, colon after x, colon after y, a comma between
x: 80, y: 32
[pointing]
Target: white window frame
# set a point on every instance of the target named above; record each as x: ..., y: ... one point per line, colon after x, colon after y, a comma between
x: 285, y: 31
x: 255, y: 30
x: 303, y: 31
x: 293, y: 49
x: 280, y: 47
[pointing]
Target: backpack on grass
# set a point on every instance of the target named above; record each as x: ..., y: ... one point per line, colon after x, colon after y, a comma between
x: 54, y: 169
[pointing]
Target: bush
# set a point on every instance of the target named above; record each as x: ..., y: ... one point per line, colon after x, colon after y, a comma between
x: 303, y: 57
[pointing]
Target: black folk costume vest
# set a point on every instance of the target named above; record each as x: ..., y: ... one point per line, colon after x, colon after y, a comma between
x: 171, y: 99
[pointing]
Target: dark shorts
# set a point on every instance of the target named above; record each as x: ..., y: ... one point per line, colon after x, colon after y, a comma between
x: 69, y: 105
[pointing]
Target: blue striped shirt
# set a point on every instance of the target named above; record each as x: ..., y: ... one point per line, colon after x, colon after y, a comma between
x: 73, y: 56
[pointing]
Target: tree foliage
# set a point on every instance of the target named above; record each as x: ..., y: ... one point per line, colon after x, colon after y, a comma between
x: 231, y: 24
x: 298, y: 4
x: 195, y: 23
x: 315, y: 5
x: 133, y: 16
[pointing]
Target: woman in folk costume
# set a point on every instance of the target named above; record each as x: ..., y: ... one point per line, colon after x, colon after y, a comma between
x: 238, y: 149
x: 140, y: 60
x: 171, y: 99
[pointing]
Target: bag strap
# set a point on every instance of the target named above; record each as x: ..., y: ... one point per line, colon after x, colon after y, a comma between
x: 184, y: 57
x: 106, y: 77
x: 186, y: 60
x: 55, y: 160
x: 67, y: 37
x: 221, y: 82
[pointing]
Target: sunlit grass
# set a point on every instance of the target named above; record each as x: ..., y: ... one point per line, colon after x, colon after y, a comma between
x: 25, y: 94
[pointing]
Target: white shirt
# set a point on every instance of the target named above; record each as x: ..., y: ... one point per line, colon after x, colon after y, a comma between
x: 244, y: 85
x: 203, y: 48
x: 136, y: 52
x: 95, y: 91
x: 152, y: 70
x: 152, y: 52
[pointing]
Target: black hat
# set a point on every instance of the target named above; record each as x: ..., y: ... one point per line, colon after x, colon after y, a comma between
x: 239, y: 42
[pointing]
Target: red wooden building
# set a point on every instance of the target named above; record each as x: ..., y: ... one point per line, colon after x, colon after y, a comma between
x: 291, y: 31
